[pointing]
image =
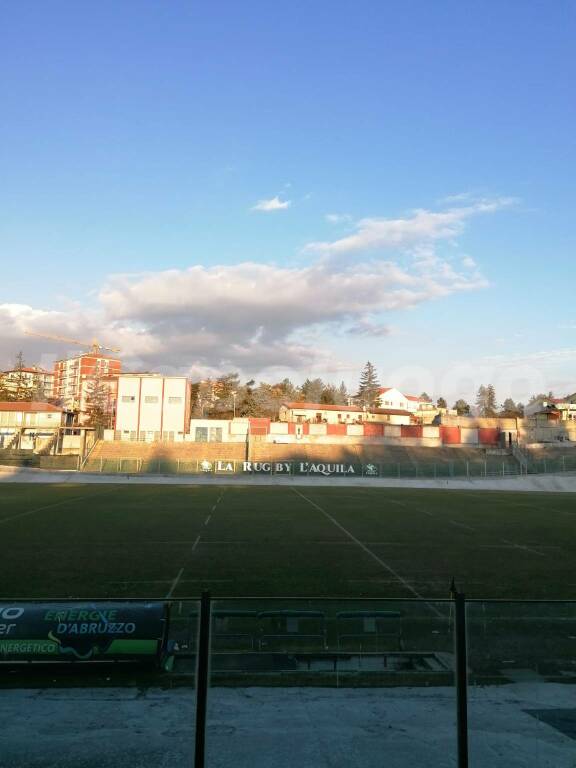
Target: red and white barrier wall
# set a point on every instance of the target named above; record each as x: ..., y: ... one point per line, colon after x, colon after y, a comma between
x: 412, y: 433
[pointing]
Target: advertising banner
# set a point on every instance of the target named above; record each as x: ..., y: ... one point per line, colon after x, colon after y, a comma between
x: 69, y: 632
x: 325, y: 469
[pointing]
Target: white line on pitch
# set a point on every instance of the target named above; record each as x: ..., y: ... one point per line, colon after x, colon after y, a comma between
x: 49, y: 506
x: 142, y: 581
x: 218, y: 500
x: 180, y: 572
x: 524, y: 547
x: 175, y: 584
x: 368, y: 551
x: 207, y: 519
x: 409, y: 508
x: 462, y: 525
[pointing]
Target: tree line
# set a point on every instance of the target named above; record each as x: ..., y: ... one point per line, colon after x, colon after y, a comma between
x: 227, y: 396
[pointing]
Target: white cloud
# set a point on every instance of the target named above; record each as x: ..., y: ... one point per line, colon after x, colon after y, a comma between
x: 367, y: 327
x: 422, y: 226
x: 250, y: 316
x: 273, y: 204
x: 337, y: 218
x: 259, y: 317
x: 468, y: 262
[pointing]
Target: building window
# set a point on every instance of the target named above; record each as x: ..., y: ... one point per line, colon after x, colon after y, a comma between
x: 174, y: 400
x: 128, y: 399
x: 201, y: 434
x: 215, y: 435
x: 149, y: 399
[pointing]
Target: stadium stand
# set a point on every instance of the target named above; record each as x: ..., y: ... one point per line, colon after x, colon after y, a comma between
x: 409, y: 461
x: 154, y: 457
x: 551, y: 458
x: 392, y: 460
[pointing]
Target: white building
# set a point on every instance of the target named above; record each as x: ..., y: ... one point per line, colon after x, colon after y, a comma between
x: 320, y: 413
x: 558, y: 409
x: 424, y: 411
x: 152, y: 407
x: 29, y: 379
x: 23, y: 424
x: 390, y: 397
x: 72, y: 378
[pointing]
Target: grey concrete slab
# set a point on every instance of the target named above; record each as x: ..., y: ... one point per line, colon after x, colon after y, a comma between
x: 285, y: 727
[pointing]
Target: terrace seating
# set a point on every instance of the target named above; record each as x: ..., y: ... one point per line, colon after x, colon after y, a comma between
x: 551, y: 458
x: 394, y: 459
x: 140, y: 456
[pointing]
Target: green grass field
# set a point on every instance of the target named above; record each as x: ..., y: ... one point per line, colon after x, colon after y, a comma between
x: 162, y: 540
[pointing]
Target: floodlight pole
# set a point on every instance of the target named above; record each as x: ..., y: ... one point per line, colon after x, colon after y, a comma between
x: 461, y: 672
x: 202, y: 675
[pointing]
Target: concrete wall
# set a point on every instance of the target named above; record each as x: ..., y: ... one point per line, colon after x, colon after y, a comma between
x: 530, y: 433
x: 235, y: 431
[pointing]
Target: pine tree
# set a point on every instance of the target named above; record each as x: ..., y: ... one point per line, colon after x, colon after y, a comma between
x: 311, y: 390
x: 462, y: 408
x: 39, y: 392
x: 97, y: 403
x: 329, y: 394
x: 481, y: 400
x: 486, y: 401
x: 249, y: 403
x: 511, y: 409
x: 368, y: 386
x: 441, y: 403
x: 491, y: 404
x: 342, y: 395
x: 21, y: 389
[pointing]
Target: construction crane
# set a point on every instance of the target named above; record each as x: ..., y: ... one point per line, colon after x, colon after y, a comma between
x: 94, y: 346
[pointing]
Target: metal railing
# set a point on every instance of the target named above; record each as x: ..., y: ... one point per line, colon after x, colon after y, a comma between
x: 491, y: 466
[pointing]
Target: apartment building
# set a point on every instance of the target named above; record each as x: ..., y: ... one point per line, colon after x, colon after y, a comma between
x: 72, y: 378
x: 31, y: 379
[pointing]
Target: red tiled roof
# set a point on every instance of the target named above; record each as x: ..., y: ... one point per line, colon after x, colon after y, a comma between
x: 415, y: 399
x: 27, y: 407
x: 30, y: 370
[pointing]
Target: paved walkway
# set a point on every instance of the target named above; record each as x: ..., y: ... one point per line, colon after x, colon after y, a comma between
x: 512, y: 726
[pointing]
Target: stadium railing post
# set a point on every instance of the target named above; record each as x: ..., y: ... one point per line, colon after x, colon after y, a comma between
x: 461, y: 672
x: 202, y: 675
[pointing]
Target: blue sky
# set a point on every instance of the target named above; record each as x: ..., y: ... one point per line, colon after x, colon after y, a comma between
x: 136, y: 138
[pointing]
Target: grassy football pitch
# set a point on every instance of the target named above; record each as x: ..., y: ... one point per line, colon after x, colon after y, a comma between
x: 162, y: 540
